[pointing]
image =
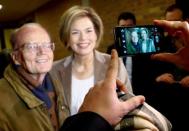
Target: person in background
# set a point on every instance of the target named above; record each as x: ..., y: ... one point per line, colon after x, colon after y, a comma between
x: 180, y: 29
x: 167, y: 93
x: 143, y: 64
x: 174, y: 13
x: 176, y: 75
x: 125, y: 19
x: 81, y: 30
x: 28, y: 99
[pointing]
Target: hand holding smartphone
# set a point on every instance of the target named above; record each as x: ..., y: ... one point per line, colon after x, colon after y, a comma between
x: 134, y: 40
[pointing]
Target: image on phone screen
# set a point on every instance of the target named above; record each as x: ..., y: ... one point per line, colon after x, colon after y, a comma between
x: 138, y: 39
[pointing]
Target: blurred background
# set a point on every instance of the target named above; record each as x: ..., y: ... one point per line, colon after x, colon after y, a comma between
x: 48, y: 12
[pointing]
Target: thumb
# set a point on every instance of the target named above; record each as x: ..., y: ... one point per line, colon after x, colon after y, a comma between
x: 132, y: 103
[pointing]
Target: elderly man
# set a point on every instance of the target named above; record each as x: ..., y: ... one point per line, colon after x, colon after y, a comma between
x: 28, y: 99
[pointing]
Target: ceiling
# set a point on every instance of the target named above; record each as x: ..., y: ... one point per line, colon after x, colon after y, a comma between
x: 15, y: 9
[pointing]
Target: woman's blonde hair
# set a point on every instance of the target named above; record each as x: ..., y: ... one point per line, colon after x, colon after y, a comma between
x: 77, y: 12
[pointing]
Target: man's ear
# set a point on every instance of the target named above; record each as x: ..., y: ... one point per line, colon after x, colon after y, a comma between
x: 15, y: 58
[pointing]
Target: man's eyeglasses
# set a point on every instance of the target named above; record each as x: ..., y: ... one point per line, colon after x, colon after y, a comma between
x: 34, y: 47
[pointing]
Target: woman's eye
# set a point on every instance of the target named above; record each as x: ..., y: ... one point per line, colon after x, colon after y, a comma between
x: 74, y: 32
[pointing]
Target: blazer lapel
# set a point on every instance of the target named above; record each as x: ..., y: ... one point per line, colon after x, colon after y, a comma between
x: 66, y: 80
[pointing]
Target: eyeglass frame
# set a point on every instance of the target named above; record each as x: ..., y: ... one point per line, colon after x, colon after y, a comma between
x: 36, y: 46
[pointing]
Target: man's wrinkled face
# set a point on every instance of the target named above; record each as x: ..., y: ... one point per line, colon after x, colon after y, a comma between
x: 35, y: 52
x: 134, y: 37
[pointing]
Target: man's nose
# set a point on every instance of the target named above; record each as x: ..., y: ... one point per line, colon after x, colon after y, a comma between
x: 40, y: 49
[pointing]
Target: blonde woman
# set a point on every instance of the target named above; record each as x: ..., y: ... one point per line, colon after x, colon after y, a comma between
x: 81, y: 31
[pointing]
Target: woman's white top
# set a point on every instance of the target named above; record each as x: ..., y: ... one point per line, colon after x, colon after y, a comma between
x: 79, y: 88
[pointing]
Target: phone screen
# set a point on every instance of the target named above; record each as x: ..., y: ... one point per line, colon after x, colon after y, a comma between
x: 134, y: 40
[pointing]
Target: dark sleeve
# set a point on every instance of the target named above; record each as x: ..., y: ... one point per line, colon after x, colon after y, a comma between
x: 86, y: 121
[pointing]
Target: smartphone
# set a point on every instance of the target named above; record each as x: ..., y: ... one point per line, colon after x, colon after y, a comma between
x: 143, y: 39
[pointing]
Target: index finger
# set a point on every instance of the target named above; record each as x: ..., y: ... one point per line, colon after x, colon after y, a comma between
x: 168, y: 57
x: 174, y: 26
x: 112, y: 71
